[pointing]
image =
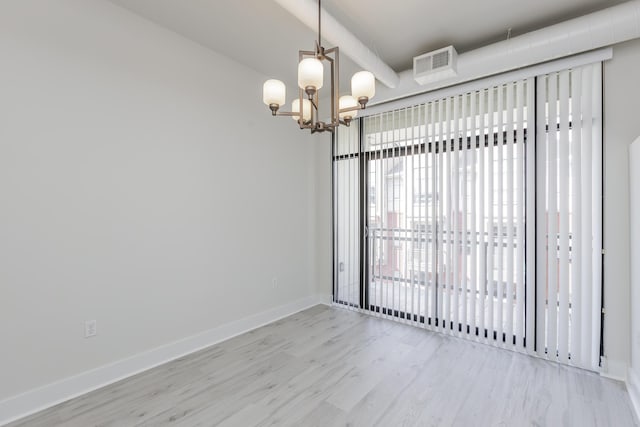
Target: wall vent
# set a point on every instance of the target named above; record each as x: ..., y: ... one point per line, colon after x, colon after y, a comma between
x: 434, y: 66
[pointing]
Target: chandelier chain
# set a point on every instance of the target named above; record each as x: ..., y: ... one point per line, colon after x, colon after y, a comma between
x: 319, y: 23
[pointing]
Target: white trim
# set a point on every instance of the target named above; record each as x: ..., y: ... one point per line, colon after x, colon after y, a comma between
x: 633, y: 376
x: 633, y: 387
x: 411, y: 99
x: 35, y: 400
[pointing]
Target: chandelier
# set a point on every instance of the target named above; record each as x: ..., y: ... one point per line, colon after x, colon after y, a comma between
x: 305, y: 108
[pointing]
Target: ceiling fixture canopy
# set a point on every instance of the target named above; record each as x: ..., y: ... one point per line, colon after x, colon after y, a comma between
x: 305, y: 108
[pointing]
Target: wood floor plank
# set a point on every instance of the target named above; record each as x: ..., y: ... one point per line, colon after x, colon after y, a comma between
x: 327, y: 366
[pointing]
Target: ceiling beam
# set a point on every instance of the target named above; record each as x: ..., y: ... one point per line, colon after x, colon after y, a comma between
x: 336, y: 34
x: 586, y: 33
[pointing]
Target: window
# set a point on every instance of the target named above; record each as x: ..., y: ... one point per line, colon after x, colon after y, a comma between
x: 462, y: 191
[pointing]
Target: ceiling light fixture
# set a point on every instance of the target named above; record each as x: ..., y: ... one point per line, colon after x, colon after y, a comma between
x: 305, y: 108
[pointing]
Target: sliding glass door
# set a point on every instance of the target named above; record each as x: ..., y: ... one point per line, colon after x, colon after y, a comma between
x: 442, y: 215
x: 397, y: 236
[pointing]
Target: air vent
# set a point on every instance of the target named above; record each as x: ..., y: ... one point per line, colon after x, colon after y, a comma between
x: 434, y: 66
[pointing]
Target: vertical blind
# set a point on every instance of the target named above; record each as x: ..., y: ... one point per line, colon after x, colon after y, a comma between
x: 569, y: 215
x: 451, y: 252
x: 452, y: 214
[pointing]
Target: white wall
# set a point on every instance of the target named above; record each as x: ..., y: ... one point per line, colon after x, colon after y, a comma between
x: 142, y: 184
x: 324, y: 226
x: 621, y: 127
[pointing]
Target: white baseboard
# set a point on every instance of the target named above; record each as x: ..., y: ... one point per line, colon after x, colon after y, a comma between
x: 633, y: 387
x: 35, y: 400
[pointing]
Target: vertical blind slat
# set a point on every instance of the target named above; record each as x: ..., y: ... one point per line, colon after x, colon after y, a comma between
x: 382, y: 299
x: 530, y: 224
x: 576, y: 219
x: 587, y: 224
x: 519, y: 214
x: 499, y: 209
x: 454, y: 213
x: 417, y: 268
x: 463, y: 213
x: 541, y: 220
x: 563, y: 220
x: 429, y: 253
x: 394, y: 218
x: 473, y: 217
x: 509, y: 246
x: 433, y: 226
x: 552, y: 222
x: 480, y: 208
x: 490, y: 235
x: 441, y: 226
x: 448, y: 221
x: 405, y: 218
x: 596, y: 176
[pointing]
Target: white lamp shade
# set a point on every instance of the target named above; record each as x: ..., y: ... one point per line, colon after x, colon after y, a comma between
x: 274, y: 92
x: 363, y: 83
x: 310, y: 73
x: 348, y: 101
x: 306, y: 109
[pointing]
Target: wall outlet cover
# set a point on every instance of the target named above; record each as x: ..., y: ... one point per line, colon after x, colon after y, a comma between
x: 90, y: 328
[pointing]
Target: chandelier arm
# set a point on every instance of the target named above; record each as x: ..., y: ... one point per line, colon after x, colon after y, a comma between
x: 300, y: 101
x: 332, y: 62
x: 313, y: 113
x: 318, y: 104
x: 349, y: 109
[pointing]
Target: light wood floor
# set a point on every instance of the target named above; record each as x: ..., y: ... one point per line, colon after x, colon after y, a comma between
x: 332, y: 367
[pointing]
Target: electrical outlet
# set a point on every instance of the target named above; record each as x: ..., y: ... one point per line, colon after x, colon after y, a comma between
x: 90, y: 328
x: 274, y: 282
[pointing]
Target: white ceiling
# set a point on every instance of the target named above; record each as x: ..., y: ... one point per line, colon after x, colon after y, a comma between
x: 265, y: 37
